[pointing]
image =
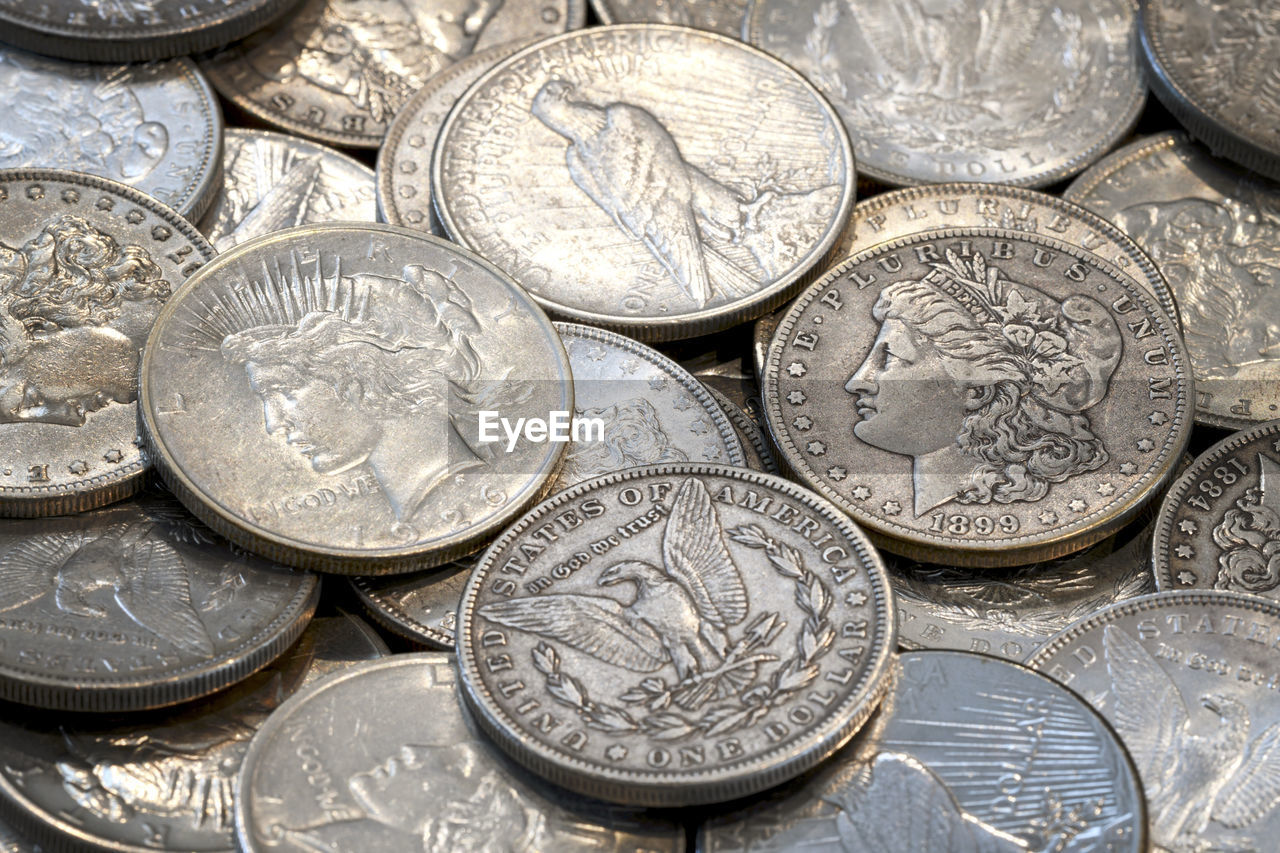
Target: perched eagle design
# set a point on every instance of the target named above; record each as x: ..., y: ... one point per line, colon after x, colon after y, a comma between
x: 679, y: 616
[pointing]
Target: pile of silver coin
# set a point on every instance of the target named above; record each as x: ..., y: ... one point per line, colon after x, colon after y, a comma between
x: 497, y: 425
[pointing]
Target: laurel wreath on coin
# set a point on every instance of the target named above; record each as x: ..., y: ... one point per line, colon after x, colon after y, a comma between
x: 814, y: 642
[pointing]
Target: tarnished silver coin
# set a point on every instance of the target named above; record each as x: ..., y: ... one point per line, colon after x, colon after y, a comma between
x: 966, y: 755
x: 422, y: 606
x: 404, y: 160
x: 161, y: 781
x: 1214, y: 231
x: 627, y: 178
x: 418, y: 776
x: 1214, y: 65
x: 1013, y: 398
x: 85, y: 267
x: 131, y: 30
x: 988, y: 90
x: 339, y: 70
x: 721, y: 16
x: 1219, y: 525
x: 1188, y: 680
x: 156, y: 127
x: 137, y: 606
x: 272, y: 181
x: 720, y: 362
x: 754, y: 442
x: 330, y: 396
x: 676, y: 635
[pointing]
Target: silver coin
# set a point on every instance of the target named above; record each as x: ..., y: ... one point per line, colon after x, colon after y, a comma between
x: 626, y: 181
x: 1214, y: 66
x: 743, y: 644
x: 155, y: 127
x: 1219, y: 525
x: 320, y: 395
x: 761, y: 334
x: 995, y: 422
x: 12, y: 842
x: 272, y: 181
x: 966, y: 754
x: 754, y: 442
x: 404, y: 160
x: 85, y: 267
x: 421, y: 607
x: 1188, y: 680
x: 162, y: 781
x: 413, y: 737
x: 339, y: 70
x: 137, y: 606
x: 720, y: 16
x: 1214, y: 231
x: 131, y: 30
x: 649, y: 410
x: 989, y: 90
x: 720, y: 363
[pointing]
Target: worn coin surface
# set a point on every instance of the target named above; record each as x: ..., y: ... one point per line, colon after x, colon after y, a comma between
x: 722, y: 16
x: 656, y: 180
x: 318, y: 395
x: 137, y: 606
x: 1213, y: 229
x: 755, y: 444
x: 404, y: 160
x: 272, y: 181
x: 159, y: 781
x: 1189, y: 681
x: 131, y: 30
x: 338, y: 70
x: 421, y: 606
x: 413, y: 737
x: 85, y: 266
x: 1013, y: 398
x: 1219, y: 525
x: 1214, y: 65
x: 990, y: 90
x: 676, y: 635
x: 156, y: 127
x: 966, y: 754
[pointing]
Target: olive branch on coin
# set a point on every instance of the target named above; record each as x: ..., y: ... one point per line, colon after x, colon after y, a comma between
x: 797, y: 672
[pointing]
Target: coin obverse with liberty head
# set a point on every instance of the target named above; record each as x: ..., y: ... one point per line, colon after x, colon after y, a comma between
x: 317, y: 397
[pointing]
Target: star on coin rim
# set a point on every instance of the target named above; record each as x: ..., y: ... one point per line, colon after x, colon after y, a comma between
x: 732, y: 780
x: 1024, y: 548
x: 653, y: 329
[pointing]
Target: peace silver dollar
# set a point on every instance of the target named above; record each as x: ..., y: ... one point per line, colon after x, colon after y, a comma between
x: 1214, y: 231
x: 414, y: 737
x: 163, y: 781
x: 136, y: 606
x: 316, y: 396
x: 156, y: 127
x: 966, y: 754
x: 338, y: 71
x: 720, y: 16
x: 620, y: 180
x: 1189, y: 681
x: 85, y: 267
x: 1014, y: 398
x: 990, y: 90
x: 676, y: 635
x: 272, y: 181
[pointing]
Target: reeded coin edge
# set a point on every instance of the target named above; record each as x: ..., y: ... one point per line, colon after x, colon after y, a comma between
x: 299, y: 553
x: 748, y: 432
x: 85, y: 693
x: 748, y: 776
x: 1222, y: 137
x: 695, y: 323
x: 1163, y: 533
x: 906, y: 542
x: 396, y: 619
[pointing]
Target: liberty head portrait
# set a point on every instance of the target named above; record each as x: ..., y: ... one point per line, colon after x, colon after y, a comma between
x: 75, y: 311
x: 378, y: 380
x: 985, y: 383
